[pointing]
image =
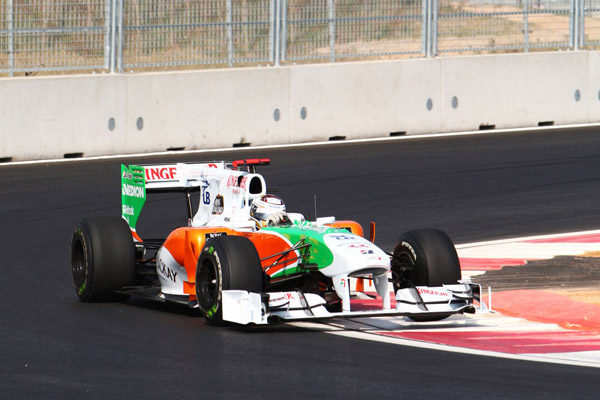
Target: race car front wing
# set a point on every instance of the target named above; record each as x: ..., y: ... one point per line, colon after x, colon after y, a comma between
x: 242, y: 307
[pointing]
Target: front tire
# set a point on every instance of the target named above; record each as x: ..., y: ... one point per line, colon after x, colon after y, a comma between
x: 102, y: 258
x: 425, y: 257
x: 226, y: 263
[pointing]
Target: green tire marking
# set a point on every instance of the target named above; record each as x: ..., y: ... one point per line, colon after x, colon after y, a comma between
x: 212, y: 311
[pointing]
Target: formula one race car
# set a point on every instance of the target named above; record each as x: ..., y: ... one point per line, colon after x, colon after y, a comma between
x: 242, y: 258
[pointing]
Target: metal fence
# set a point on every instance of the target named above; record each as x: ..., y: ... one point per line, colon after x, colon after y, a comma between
x: 132, y: 35
x: 43, y: 35
x: 513, y: 25
x: 589, y: 31
x: 332, y: 30
x: 168, y: 33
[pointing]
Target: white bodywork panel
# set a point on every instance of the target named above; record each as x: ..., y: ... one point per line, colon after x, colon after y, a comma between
x: 170, y: 274
x: 243, y: 307
x: 352, y: 253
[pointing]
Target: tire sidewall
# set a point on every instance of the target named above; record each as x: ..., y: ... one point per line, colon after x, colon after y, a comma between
x: 434, y: 257
x: 108, y: 258
x: 80, y: 238
x: 410, y: 247
x: 237, y: 266
x: 212, y: 256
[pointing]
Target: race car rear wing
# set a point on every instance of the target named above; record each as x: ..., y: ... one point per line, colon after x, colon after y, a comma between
x: 218, y: 177
x: 180, y: 176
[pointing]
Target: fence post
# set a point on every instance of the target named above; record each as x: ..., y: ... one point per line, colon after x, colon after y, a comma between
x: 425, y: 27
x: 331, y: 17
x: 526, y: 24
x: 434, y: 28
x: 229, y: 24
x: 277, y: 35
x: 429, y: 30
x: 283, y: 32
x: 573, y: 26
x: 119, y: 39
x: 275, y: 28
x: 581, y: 32
x: 11, y: 38
x: 107, y: 37
x: 112, y: 34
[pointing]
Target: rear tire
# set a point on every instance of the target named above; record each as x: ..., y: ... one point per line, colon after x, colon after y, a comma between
x: 226, y: 263
x: 102, y: 258
x: 425, y: 257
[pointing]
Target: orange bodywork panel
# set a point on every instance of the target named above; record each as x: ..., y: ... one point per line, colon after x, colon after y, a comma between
x: 268, y: 245
x: 185, y: 245
x: 136, y: 237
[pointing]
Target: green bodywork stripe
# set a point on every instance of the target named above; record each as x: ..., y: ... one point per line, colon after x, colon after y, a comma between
x: 319, y: 253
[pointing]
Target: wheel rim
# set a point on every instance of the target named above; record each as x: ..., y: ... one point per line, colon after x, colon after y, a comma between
x: 78, y: 265
x: 403, y: 266
x: 208, y: 289
x: 405, y: 261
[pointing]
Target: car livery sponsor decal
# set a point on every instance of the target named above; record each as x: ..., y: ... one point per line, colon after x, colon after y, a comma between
x: 174, y: 172
x: 133, y: 193
x: 342, y: 239
x: 166, y: 272
x: 211, y: 235
x: 282, y: 300
x: 161, y: 173
x: 432, y: 292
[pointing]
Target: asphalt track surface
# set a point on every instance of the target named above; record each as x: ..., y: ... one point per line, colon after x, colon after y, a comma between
x: 474, y: 187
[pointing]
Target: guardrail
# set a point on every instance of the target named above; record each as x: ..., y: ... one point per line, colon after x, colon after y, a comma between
x: 41, y: 36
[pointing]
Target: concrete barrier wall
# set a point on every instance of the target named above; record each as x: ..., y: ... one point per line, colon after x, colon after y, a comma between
x: 518, y: 90
x: 49, y: 117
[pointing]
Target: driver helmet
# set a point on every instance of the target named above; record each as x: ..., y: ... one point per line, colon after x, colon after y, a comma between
x: 268, y: 210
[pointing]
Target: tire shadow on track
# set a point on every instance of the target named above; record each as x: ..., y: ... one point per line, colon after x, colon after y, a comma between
x: 194, y: 313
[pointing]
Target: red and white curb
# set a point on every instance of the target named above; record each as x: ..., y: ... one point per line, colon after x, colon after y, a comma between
x: 492, y: 334
x: 485, y: 256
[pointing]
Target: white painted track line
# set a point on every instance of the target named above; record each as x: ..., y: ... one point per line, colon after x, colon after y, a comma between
x: 526, y: 238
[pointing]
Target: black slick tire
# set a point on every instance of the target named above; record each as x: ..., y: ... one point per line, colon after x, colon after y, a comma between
x: 425, y: 257
x: 102, y: 258
x: 226, y: 263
